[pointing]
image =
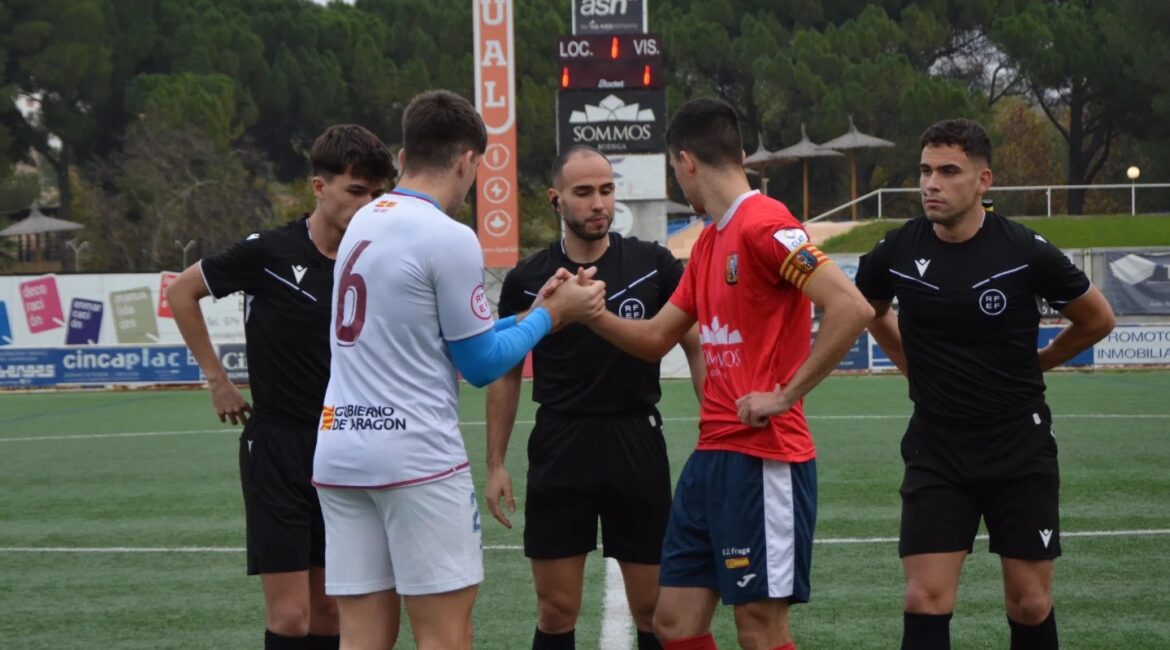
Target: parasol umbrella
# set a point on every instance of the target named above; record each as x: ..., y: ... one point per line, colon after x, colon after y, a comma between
x: 851, y: 142
x: 761, y: 159
x: 38, y: 224
x: 802, y: 151
x: 33, y: 231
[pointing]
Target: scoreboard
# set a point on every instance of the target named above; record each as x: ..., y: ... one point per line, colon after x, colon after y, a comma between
x: 616, y: 61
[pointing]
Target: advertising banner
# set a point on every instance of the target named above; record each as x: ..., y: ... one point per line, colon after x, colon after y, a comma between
x: 639, y: 177
x: 497, y: 202
x: 609, y: 16
x: 1137, y: 283
x: 857, y: 358
x: 613, y: 122
x: 53, y: 310
x: 42, y: 304
x: 134, y: 319
x: 85, y: 322
x: 1133, y: 345
x: 234, y: 358
x: 33, y: 367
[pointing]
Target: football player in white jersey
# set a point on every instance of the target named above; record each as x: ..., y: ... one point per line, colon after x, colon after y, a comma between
x: 409, y: 311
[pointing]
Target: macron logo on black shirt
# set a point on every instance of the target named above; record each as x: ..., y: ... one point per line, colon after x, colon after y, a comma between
x: 922, y: 264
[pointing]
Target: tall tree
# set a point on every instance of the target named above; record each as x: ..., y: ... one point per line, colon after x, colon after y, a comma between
x: 170, y: 183
x: 59, y: 54
x: 1081, y: 64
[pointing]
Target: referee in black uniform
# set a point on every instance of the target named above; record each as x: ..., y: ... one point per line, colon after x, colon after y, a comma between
x: 980, y: 442
x: 597, y: 450
x: 287, y: 276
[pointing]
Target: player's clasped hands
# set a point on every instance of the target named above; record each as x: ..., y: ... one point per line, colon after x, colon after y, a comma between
x: 572, y: 298
x: 754, y: 409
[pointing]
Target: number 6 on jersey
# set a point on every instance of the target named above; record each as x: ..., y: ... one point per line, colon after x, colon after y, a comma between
x: 351, y: 299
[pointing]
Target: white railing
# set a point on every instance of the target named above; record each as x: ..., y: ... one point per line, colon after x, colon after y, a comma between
x: 1047, y: 189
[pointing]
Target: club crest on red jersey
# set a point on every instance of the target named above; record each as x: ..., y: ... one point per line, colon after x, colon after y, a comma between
x: 731, y: 272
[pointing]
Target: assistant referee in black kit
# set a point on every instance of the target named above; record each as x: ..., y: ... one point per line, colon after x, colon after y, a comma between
x: 980, y: 442
x: 597, y: 450
x: 287, y: 276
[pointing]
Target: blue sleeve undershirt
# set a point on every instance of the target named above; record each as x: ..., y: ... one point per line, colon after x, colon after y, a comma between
x: 484, y: 358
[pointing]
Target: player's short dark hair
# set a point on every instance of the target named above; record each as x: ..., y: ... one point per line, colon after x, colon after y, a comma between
x: 558, y: 166
x: 352, y: 149
x: 968, y: 135
x: 437, y: 127
x: 708, y: 129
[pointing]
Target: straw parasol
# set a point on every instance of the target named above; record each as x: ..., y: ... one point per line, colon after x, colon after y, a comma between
x: 851, y: 142
x: 761, y: 159
x: 802, y: 151
x: 35, y: 232
x: 37, y: 223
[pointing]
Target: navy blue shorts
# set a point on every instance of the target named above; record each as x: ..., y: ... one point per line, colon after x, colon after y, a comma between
x: 742, y: 526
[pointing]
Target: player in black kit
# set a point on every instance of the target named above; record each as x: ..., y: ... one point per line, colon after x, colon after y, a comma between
x: 980, y: 442
x: 597, y: 449
x: 287, y: 274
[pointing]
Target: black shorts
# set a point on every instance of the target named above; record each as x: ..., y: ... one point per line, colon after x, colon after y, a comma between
x: 285, y: 531
x: 583, y: 468
x: 1007, y: 474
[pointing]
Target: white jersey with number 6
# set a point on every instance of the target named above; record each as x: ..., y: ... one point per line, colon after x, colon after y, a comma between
x: 408, y: 278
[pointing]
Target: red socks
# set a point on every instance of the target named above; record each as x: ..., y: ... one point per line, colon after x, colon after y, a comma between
x: 705, y: 642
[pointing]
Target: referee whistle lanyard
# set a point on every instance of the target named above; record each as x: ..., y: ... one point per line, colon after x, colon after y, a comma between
x: 418, y: 195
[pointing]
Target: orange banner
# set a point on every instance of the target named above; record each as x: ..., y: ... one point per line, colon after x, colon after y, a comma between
x: 497, y: 205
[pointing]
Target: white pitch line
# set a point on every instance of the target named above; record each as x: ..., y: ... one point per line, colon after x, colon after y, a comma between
x: 616, y: 623
x: 480, y: 423
x: 136, y: 434
x: 1075, y: 533
x: 905, y: 416
x: 168, y: 549
x: 833, y: 541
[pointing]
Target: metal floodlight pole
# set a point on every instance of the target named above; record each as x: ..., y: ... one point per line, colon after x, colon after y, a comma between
x: 184, y: 247
x: 77, y: 249
x: 1133, y: 172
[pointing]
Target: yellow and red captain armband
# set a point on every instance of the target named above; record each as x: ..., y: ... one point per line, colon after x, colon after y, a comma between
x: 802, y: 263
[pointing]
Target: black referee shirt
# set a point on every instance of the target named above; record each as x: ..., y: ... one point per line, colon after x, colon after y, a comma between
x: 969, y: 314
x: 576, y: 371
x: 289, y: 287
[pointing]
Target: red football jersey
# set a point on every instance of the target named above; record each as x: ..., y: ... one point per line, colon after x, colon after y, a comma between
x: 743, y: 285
